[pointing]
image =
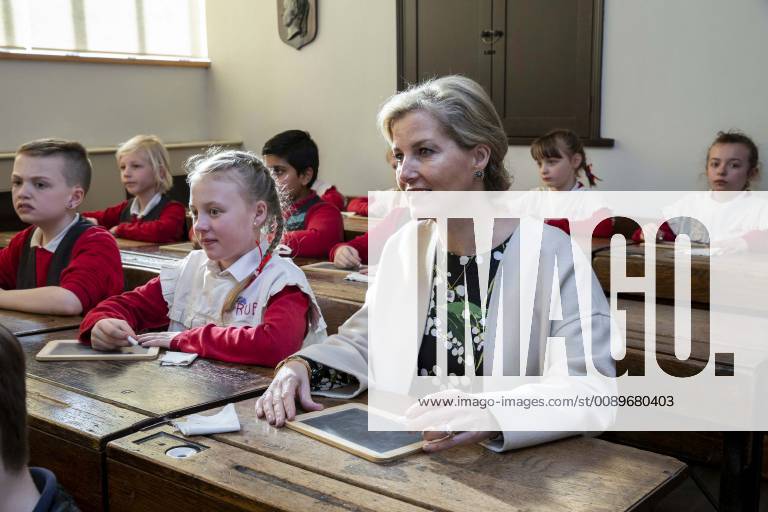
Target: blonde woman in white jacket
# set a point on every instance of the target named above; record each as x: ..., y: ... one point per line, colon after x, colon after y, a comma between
x: 447, y: 136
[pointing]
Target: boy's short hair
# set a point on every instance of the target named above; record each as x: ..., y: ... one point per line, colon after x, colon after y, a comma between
x: 14, y: 450
x: 77, y: 170
x: 297, y: 148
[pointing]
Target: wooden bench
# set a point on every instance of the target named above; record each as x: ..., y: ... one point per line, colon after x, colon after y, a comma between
x: 573, y: 474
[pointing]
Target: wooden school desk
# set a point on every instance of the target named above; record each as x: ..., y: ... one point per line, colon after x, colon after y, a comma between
x: 24, y: 324
x: 224, y: 478
x: 338, y: 298
x: 740, y: 454
x: 67, y: 399
x: 573, y: 474
x: 68, y: 434
x: 356, y: 225
x: 145, y: 386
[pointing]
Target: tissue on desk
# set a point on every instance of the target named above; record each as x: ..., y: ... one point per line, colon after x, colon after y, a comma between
x: 171, y: 358
x: 357, y: 276
x: 197, y: 424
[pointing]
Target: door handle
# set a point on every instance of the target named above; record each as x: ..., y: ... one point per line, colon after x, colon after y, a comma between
x: 491, y: 36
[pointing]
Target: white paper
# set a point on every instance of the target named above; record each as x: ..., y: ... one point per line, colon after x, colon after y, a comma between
x: 171, y: 358
x: 197, y: 424
x: 356, y: 276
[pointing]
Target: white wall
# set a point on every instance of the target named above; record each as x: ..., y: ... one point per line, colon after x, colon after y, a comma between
x: 100, y: 104
x: 332, y: 88
x: 675, y: 72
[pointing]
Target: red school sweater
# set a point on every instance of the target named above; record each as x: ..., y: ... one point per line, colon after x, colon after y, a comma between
x: 94, y: 272
x: 168, y: 228
x: 280, y: 334
x: 322, y: 227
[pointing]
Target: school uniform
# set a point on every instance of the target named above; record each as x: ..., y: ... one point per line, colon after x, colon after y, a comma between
x: 358, y: 205
x: 329, y: 194
x: 359, y: 243
x: 312, y: 227
x: 83, y: 259
x: 273, y: 317
x: 397, y: 280
x: 604, y: 228
x: 161, y: 221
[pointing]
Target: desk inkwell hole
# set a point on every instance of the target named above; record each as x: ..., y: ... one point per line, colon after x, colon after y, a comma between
x: 182, y: 452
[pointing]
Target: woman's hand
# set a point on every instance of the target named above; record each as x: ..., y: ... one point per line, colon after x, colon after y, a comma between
x: 347, y: 256
x: 110, y: 334
x: 445, y: 427
x: 157, y: 339
x: 278, y: 403
x: 436, y: 441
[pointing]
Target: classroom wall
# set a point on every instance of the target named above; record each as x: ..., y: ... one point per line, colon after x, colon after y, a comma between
x: 99, y: 105
x: 674, y: 74
x: 333, y: 87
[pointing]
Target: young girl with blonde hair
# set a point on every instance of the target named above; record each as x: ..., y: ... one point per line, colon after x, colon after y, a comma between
x: 150, y: 216
x: 236, y: 299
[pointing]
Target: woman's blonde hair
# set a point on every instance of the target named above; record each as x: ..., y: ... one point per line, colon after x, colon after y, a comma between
x: 464, y: 111
x: 157, y: 155
x: 256, y: 184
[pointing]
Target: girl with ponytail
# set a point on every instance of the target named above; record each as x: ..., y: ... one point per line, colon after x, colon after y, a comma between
x: 236, y: 299
x: 561, y: 158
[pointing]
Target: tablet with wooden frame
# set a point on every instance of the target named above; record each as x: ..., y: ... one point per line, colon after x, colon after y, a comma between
x: 346, y: 427
x: 73, y: 350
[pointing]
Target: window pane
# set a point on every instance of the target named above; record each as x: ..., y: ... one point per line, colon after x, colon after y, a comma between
x: 51, y: 24
x: 111, y: 26
x: 173, y: 27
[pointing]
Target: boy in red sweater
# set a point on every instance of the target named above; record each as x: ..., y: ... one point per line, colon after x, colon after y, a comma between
x: 61, y: 264
x: 150, y: 216
x: 312, y: 225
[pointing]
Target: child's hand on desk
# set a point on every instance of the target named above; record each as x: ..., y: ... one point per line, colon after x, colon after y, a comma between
x: 113, y: 230
x: 278, y: 402
x: 111, y: 333
x: 346, y: 257
x: 157, y: 339
x: 91, y: 220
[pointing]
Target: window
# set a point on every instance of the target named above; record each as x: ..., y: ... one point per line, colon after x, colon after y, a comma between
x: 163, y: 30
x: 540, y: 61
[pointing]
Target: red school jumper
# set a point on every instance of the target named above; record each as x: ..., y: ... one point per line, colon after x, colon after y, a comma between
x: 164, y: 223
x: 92, y: 269
x: 312, y: 227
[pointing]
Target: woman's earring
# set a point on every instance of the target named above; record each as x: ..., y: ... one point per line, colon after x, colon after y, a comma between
x: 479, y: 173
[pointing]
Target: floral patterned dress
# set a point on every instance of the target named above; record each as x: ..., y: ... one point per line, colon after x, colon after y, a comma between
x: 463, y: 289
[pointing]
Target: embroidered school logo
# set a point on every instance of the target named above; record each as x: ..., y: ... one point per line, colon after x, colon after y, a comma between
x: 243, y: 308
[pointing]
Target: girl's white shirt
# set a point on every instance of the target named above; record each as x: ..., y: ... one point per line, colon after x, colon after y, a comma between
x: 195, y: 289
x: 742, y: 213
